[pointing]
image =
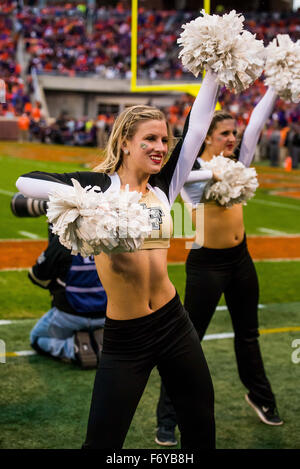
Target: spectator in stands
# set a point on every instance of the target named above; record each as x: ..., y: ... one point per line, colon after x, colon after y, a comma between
x: 36, y: 112
x: 23, y: 124
x: 101, y: 131
x: 263, y: 146
x: 282, y: 148
x: 295, y: 147
x: 274, y: 145
x: 59, y: 41
x: 288, y: 143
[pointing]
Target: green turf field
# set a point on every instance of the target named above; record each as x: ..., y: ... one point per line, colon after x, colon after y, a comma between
x: 45, y: 403
x: 263, y: 212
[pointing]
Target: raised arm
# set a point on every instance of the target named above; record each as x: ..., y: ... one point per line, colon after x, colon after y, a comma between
x: 176, y: 171
x: 258, y: 118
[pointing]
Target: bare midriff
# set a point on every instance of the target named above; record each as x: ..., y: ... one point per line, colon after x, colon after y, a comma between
x: 137, y: 284
x: 223, y: 227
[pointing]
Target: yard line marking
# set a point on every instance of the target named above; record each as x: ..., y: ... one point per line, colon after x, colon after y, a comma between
x: 229, y: 335
x: 25, y: 353
x: 28, y: 234
x: 4, y: 322
x: 272, y: 232
x: 224, y: 335
x: 16, y: 321
x: 275, y: 204
x: 224, y: 308
x: 22, y: 353
x: 4, y: 192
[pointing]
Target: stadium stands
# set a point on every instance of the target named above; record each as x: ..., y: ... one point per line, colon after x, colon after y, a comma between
x: 58, y: 41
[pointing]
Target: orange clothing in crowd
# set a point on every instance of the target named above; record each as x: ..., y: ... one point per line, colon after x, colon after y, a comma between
x: 283, y: 134
x: 23, y: 122
x: 173, y: 119
x: 36, y: 113
x: 28, y: 107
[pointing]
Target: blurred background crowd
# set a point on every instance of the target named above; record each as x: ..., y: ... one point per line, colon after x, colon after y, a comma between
x: 70, y: 40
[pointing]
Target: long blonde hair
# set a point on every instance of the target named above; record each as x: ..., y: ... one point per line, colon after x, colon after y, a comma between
x: 124, y: 128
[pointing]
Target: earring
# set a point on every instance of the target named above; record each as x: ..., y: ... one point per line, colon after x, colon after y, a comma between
x: 208, y: 143
x: 126, y: 152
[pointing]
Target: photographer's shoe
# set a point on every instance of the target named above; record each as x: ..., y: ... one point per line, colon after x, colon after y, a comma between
x: 84, y: 352
x: 268, y: 415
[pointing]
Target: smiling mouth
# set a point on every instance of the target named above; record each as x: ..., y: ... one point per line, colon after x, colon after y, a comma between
x: 156, y: 159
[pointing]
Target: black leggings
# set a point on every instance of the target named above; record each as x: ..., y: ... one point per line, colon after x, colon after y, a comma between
x: 131, y: 349
x: 211, y: 272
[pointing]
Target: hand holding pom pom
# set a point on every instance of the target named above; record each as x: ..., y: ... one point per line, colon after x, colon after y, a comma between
x: 89, y: 221
x: 219, y: 43
x: 236, y: 184
x: 283, y: 67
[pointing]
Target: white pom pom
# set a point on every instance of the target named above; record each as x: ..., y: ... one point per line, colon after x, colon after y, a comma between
x: 219, y: 43
x: 88, y: 221
x: 238, y: 183
x: 282, y: 67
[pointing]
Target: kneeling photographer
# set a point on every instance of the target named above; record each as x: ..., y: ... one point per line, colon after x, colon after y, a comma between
x: 72, y: 329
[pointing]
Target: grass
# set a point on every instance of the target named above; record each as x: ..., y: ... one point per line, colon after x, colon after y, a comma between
x: 279, y: 283
x: 11, y: 169
x: 260, y: 212
x: 272, y: 212
x: 44, y: 403
x: 36, y: 408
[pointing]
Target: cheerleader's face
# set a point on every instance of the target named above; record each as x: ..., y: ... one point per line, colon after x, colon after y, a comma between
x: 222, y: 138
x: 147, y: 149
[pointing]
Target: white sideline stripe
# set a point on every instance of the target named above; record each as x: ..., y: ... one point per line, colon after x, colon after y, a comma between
x: 275, y: 204
x: 224, y: 335
x: 4, y: 192
x: 25, y: 353
x: 28, y: 234
x: 274, y: 232
x: 4, y: 322
x: 224, y: 308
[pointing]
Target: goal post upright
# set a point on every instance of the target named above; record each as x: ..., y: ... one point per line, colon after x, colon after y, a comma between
x: 190, y: 88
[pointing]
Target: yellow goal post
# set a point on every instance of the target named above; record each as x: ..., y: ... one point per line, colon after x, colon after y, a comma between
x: 190, y: 88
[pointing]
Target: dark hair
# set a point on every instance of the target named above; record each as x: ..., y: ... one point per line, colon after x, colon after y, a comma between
x: 218, y: 116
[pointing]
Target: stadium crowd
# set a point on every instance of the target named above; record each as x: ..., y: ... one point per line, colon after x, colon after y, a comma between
x: 58, y: 40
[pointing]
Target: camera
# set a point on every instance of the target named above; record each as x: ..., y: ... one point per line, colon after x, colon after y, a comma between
x: 22, y: 206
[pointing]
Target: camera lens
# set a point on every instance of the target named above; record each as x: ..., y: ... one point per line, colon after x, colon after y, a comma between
x: 22, y: 206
